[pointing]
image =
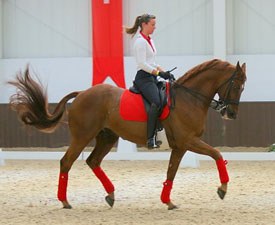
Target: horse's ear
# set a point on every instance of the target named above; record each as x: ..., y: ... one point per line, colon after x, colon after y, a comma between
x: 238, y: 66
x: 244, y: 67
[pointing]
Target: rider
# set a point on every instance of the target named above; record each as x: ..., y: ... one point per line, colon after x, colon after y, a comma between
x: 147, y: 71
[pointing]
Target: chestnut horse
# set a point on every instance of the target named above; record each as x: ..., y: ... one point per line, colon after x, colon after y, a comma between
x: 94, y: 113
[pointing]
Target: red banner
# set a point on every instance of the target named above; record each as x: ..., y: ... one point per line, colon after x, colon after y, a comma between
x: 107, y: 41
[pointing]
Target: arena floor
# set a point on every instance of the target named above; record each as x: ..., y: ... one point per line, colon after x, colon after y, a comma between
x: 28, y: 194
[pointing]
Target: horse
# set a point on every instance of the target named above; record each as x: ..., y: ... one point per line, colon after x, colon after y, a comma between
x: 94, y: 114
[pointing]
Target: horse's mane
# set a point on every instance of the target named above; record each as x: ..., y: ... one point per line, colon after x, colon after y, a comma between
x: 212, y: 64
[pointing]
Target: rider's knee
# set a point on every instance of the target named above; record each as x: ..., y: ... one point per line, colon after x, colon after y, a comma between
x: 155, y: 107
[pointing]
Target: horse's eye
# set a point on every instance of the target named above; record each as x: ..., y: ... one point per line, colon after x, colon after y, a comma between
x: 237, y: 87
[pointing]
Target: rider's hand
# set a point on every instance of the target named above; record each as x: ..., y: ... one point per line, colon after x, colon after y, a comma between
x: 172, y: 77
x: 165, y: 75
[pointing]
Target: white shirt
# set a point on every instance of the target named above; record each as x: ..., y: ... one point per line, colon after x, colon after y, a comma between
x: 144, y: 54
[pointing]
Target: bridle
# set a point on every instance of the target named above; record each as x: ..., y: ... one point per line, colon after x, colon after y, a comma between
x: 223, y: 103
x: 220, y: 104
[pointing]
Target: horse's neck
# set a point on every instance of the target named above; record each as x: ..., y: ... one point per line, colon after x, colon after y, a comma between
x: 206, y: 83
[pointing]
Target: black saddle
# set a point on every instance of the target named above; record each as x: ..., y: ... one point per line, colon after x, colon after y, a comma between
x: 162, y: 92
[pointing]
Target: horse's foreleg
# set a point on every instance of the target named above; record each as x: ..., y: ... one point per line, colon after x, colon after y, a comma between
x: 104, y: 142
x: 201, y: 147
x: 224, y: 178
x: 175, y: 159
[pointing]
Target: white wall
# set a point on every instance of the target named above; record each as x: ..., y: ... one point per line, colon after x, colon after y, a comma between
x: 46, y: 28
x: 1, y: 33
x: 55, y: 37
x: 51, y: 28
x: 184, y: 27
x: 63, y: 75
x: 39, y: 28
x: 219, y: 25
x: 60, y: 75
x: 250, y: 26
x: 260, y: 76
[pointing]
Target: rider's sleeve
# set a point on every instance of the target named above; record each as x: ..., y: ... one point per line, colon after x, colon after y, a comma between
x: 140, y: 49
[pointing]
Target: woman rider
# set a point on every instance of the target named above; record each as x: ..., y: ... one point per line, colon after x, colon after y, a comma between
x: 147, y: 71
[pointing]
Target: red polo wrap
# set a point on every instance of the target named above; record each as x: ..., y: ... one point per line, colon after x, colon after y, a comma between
x: 165, y: 194
x: 62, y: 187
x: 221, y: 165
x: 107, y: 184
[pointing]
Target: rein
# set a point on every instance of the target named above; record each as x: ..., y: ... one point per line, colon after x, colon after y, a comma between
x: 196, y: 94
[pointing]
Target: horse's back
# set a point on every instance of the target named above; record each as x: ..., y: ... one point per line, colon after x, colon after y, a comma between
x: 99, y: 97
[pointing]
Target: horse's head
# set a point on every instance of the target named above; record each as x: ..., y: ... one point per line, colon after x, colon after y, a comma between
x: 230, y: 92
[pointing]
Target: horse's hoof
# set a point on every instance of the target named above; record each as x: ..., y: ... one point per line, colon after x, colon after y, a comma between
x: 66, y: 205
x: 171, y: 206
x: 110, y: 200
x: 221, y: 193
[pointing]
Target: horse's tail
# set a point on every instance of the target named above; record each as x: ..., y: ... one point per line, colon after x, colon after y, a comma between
x: 31, y: 103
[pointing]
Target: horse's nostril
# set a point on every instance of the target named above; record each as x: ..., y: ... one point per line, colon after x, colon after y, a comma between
x: 232, y: 115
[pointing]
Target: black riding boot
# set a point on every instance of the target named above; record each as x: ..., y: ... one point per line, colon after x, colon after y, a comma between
x: 151, y: 127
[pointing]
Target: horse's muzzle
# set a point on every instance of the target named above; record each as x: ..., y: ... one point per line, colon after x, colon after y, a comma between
x: 228, y: 114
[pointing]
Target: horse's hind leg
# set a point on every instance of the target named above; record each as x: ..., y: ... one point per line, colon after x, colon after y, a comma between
x: 74, y: 150
x: 104, y: 142
x: 175, y: 159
